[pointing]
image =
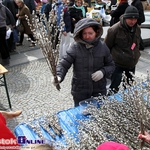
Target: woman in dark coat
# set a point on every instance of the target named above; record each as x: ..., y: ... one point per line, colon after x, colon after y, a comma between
x: 139, y: 6
x: 48, y: 8
x: 115, y: 14
x: 24, y: 11
x: 91, y: 59
x: 77, y: 12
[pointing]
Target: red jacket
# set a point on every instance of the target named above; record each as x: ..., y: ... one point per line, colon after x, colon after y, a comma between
x: 7, y: 138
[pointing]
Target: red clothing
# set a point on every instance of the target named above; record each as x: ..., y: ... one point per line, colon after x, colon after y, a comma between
x: 7, y: 139
x: 38, y: 1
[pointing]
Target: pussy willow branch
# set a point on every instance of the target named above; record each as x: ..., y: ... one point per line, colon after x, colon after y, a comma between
x: 48, y: 34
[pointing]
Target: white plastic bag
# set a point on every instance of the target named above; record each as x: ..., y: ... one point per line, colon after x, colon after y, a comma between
x: 113, y: 7
x: 8, y: 33
x: 102, y: 13
x: 17, y: 22
x: 95, y: 14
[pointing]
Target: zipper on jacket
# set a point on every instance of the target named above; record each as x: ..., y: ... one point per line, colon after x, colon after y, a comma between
x: 91, y: 55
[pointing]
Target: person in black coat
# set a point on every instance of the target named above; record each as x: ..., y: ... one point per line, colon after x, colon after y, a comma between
x: 115, y: 14
x: 11, y: 42
x: 11, y: 5
x: 5, y: 15
x: 48, y: 8
x: 139, y: 6
x: 31, y: 5
x: 77, y: 12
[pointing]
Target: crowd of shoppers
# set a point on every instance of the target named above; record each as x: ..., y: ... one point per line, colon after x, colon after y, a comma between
x: 21, y: 9
x: 93, y: 60
x: 75, y: 11
x: 11, y: 11
x: 23, y: 13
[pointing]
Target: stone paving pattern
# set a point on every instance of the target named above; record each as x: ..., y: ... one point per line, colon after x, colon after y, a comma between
x: 31, y: 91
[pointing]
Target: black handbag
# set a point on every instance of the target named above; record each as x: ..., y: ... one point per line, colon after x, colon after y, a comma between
x: 19, y: 26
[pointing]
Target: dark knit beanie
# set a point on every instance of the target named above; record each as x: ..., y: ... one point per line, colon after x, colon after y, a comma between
x: 131, y: 12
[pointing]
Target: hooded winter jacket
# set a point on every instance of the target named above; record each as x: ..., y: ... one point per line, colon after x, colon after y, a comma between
x: 124, y: 44
x: 87, y: 58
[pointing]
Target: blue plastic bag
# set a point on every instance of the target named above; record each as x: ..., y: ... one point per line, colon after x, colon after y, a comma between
x: 15, y: 36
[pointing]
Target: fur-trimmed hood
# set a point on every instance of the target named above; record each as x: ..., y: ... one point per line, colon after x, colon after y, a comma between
x: 82, y: 24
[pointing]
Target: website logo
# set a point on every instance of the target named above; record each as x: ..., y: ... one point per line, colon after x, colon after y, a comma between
x: 10, y: 141
x: 24, y: 140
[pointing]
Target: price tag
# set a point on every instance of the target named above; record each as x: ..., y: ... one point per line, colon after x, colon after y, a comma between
x: 133, y: 46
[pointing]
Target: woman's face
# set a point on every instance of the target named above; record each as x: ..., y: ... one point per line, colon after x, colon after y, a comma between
x: 19, y: 4
x: 88, y: 34
x: 79, y: 3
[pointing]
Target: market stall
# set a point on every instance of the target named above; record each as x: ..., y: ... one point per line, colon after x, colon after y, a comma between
x: 115, y: 118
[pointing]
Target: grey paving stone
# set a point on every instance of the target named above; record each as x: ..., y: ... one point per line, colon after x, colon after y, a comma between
x: 31, y: 90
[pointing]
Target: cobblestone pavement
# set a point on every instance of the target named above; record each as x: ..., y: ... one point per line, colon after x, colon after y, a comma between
x: 31, y: 91
x: 25, y: 46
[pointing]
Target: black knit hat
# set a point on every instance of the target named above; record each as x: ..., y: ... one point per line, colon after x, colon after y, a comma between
x: 131, y: 12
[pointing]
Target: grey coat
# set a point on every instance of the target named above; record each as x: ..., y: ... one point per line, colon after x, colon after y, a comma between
x: 6, y: 17
x: 87, y: 58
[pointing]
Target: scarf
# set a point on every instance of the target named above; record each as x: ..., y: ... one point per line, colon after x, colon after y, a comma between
x: 91, y: 43
x: 82, y: 8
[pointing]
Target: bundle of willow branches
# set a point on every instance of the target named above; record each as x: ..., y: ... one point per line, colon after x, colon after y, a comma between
x: 48, y: 34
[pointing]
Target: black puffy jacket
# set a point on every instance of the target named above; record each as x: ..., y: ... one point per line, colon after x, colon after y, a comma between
x: 85, y: 62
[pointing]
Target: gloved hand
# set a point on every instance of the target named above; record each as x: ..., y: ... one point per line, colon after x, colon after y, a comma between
x: 53, y: 80
x: 96, y: 76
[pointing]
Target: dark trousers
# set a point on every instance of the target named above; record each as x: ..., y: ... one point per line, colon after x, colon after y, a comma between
x: 3, y: 44
x: 29, y: 35
x: 117, y: 77
x: 141, y: 47
x: 10, y: 43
